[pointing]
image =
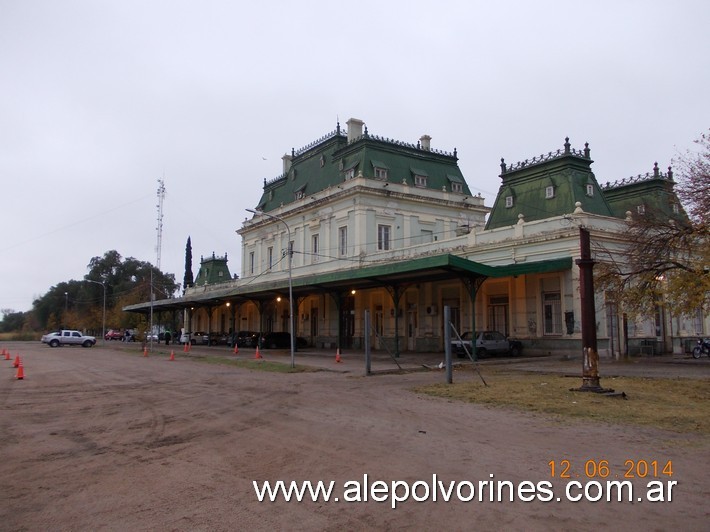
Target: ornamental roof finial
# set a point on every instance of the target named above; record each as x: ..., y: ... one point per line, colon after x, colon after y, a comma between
x: 502, y: 166
x: 586, y: 150
x: 655, y: 169
x: 567, y: 144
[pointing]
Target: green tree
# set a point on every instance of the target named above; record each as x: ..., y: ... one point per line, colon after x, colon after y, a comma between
x: 79, y: 304
x: 188, y: 280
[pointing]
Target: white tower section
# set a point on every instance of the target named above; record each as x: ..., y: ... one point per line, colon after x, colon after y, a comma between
x: 161, y: 198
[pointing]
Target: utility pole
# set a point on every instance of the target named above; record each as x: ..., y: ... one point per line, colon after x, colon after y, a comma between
x: 590, y: 358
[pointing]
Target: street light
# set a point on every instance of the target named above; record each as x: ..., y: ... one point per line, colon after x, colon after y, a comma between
x: 290, y: 281
x: 103, y: 321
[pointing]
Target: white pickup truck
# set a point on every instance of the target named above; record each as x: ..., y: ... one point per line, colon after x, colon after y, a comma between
x: 68, y: 337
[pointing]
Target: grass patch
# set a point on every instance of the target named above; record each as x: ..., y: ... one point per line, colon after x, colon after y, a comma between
x: 259, y: 365
x: 678, y: 405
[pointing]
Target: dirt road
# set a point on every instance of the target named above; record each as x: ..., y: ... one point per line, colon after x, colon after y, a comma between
x: 102, y: 439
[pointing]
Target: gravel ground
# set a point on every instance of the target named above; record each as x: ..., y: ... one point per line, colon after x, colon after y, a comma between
x: 106, y: 439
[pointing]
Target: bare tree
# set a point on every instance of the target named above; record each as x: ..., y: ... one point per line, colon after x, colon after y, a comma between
x: 667, y: 257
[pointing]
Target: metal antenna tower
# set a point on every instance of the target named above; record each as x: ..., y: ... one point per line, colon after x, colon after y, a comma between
x: 161, y: 198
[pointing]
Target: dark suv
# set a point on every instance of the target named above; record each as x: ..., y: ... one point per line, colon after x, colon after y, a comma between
x: 275, y: 340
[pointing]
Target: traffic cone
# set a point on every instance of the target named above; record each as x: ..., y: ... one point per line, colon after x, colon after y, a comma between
x: 20, y: 372
x: 257, y: 355
x: 172, y: 355
x: 145, y: 351
x: 337, y: 356
x: 7, y: 354
x: 236, y: 349
x: 16, y: 363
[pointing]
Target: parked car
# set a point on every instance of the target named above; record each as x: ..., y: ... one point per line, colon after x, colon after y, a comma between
x: 113, y: 334
x: 487, y: 343
x: 243, y: 339
x: 67, y: 337
x: 185, y: 337
x: 199, y: 337
x: 275, y: 340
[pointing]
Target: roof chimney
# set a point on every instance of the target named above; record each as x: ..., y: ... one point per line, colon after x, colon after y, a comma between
x: 425, y: 141
x: 354, y: 129
x: 287, y: 162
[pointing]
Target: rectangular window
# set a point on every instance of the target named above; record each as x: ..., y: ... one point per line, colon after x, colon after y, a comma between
x: 420, y: 181
x: 641, y: 209
x: 383, y: 237
x: 343, y: 240
x: 349, y: 174
x: 508, y: 202
x: 251, y: 262
x: 552, y: 313
x: 590, y: 190
x: 270, y: 256
x: 698, y: 322
x: 380, y: 173
x: 314, y: 248
x: 427, y: 236
x: 549, y: 192
x: 456, y: 187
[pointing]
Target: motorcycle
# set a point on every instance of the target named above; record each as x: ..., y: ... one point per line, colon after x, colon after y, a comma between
x: 703, y: 348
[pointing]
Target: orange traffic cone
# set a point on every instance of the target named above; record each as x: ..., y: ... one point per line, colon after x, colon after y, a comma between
x: 257, y: 355
x: 184, y: 347
x: 20, y: 372
x: 172, y: 355
x: 16, y: 363
x: 236, y: 349
x: 7, y: 354
x: 337, y: 356
x: 145, y: 351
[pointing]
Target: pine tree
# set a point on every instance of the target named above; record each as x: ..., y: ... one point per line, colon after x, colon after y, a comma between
x: 188, y: 279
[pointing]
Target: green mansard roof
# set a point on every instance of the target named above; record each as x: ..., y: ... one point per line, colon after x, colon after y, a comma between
x: 652, y: 191
x: 526, y: 188
x: 213, y: 270
x: 328, y: 161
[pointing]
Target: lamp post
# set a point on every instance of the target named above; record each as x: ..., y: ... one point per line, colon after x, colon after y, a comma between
x: 103, y: 320
x: 290, y: 281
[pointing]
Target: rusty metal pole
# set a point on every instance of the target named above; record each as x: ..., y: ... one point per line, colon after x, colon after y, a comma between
x: 590, y: 359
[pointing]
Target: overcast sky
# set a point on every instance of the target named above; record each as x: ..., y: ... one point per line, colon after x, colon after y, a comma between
x: 100, y: 99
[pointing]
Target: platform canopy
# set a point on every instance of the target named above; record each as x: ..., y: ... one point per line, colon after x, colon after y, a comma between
x: 427, y: 269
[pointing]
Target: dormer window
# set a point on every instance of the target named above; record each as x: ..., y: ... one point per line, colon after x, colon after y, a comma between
x: 456, y: 183
x: 300, y: 192
x: 509, y: 202
x: 322, y: 161
x: 549, y: 192
x: 676, y: 208
x: 420, y: 177
x: 641, y: 209
x: 590, y: 190
x: 380, y: 170
x: 349, y: 170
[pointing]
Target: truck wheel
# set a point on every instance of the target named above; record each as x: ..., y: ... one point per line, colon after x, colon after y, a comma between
x: 54, y: 343
x: 87, y: 343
